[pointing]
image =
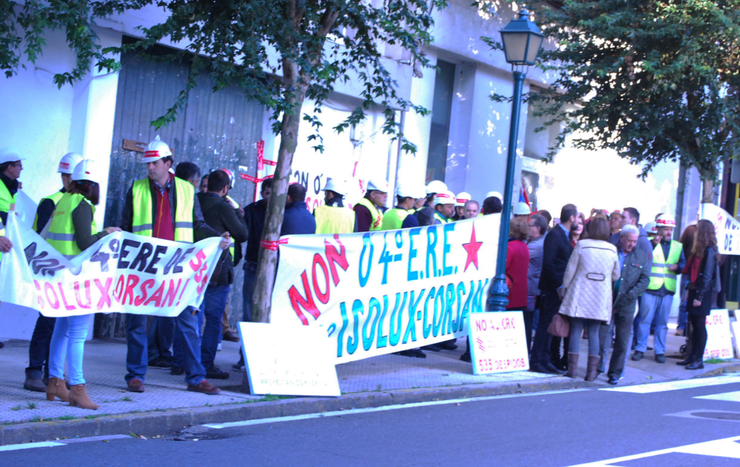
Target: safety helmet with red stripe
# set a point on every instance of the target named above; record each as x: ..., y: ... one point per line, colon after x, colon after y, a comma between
x: 444, y: 197
x: 85, y: 171
x: 155, y: 151
x: 462, y: 198
x: 665, y: 220
x: 651, y: 228
x: 69, y: 162
x: 436, y: 186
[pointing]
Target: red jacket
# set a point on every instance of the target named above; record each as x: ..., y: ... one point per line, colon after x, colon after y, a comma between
x: 517, y: 266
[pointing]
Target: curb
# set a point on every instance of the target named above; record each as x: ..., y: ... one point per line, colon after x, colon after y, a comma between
x: 172, y: 421
x: 732, y: 368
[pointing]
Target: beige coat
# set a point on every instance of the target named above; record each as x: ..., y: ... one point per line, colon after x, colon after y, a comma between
x: 588, y: 278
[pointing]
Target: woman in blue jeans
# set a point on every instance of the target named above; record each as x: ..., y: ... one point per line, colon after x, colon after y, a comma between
x: 73, y: 230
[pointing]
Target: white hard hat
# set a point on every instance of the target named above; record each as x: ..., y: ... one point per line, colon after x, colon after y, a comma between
x: 10, y: 155
x: 462, y: 198
x: 435, y: 186
x: 444, y: 197
x: 336, y: 185
x: 665, y: 220
x: 377, y: 185
x: 69, y: 162
x: 232, y: 180
x: 407, y: 190
x: 85, y: 171
x: 522, y: 209
x: 651, y: 228
x: 156, y: 150
x: 494, y: 194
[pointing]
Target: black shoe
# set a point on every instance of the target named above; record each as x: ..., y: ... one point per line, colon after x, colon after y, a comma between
x: 410, y: 353
x: 419, y: 353
x: 176, y: 370
x: 613, y: 380
x: 637, y: 356
x: 560, y: 365
x: 447, y: 346
x: 161, y: 362
x: 432, y: 347
x: 555, y: 369
x: 34, y: 384
x: 465, y: 357
x: 2, y: 344
x: 537, y: 368
x: 688, y: 361
x: 660, y: 358
x: 695, y: 365
x: 215, y: 372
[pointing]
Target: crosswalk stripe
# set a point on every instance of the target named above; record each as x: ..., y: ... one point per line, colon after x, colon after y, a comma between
x: 676, y: 385
x: 18, y: 447
x: 733, y: 396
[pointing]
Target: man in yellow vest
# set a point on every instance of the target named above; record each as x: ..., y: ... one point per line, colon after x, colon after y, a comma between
x: 406, y: 198
x: 444, y: 207
x: 37, y: 373
x: 668, y: 262
x: 163, y: 206
x: 460, y: 201
x: 333, y: 217
x: 10, y: 171
x: 369, y: 210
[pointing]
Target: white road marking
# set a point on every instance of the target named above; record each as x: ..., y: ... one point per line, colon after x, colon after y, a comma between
x: 676, y: 385
x: 18, y: 447
x: 218, y: 426
x: 727, y: 447
x: 725, y: 396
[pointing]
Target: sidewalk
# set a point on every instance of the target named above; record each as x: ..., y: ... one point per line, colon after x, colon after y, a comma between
x: 376, y: 381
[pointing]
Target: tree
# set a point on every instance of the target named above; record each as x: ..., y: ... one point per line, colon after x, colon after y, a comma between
x: 280, y: 52
x: 653, y: 81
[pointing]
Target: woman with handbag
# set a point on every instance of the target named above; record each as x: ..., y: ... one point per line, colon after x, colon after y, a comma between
x: 703, y: 269
x: 587, y: 282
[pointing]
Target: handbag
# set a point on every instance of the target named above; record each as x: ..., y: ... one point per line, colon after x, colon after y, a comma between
x: 560, y: 326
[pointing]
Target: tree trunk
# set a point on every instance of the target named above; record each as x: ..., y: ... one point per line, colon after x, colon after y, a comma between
x: 268, y: 259
x: 707, y: 195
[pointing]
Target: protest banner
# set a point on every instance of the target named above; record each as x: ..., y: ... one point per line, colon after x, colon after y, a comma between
x: 726, y: 227
x: 380, y: 292
x: 122, y: 273
x: 719, y: 336
x: 291, y: 361
x: 498, y: 342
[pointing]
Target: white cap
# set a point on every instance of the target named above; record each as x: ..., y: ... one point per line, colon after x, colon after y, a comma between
x: 156, y: 150
x: 377, y: 185
x: 651, y: 228
x: 10, y: 155
x: 336, y: 185
x: 410, y: 191
x: 436, y: 186
x: 85, y: 171
x: 494, y: 194
x: 444, y: 197
x: 665, y: 220
x: 462, y: 198
x: 522, y: 209
x: 69, y: 162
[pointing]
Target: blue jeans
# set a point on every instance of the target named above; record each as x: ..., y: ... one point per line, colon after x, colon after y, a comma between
x: 650, y: 306
x: 68, y: 341
x: 159, y: 337
x: 186, y: 328
x: 38, y: 350
x: 683, y: 316
x: 177, y: 340
x: 576, y: 329
x: 214, y: 304
x: 250, y: 277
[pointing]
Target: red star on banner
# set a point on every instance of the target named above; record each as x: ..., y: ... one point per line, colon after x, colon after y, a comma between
x: 472, y: 249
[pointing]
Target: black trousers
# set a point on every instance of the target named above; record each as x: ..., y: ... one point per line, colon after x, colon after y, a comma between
x: 38, y: 351
x: 698, y: 336
x: 622, y: 320
x: 542, y: 339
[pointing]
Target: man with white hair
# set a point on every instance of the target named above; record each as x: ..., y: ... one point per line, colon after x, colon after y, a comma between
x: 633, y: 282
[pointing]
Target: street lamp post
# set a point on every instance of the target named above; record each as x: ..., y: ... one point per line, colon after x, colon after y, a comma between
x: 522, y: 40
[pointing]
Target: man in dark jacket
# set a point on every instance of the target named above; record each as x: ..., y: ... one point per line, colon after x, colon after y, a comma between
x: 222, y: 217
x: 297, y: 220
x: 556, y: 253
x: 635, y: 278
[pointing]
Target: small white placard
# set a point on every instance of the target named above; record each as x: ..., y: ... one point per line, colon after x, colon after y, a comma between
x: 719, y: 337
x: 288, y: 360
x: 498, y: 342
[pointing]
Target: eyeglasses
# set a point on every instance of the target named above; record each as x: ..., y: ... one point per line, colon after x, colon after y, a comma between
x: 17, y: 164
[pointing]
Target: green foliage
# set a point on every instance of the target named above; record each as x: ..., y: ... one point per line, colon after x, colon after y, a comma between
x: 653, y: 81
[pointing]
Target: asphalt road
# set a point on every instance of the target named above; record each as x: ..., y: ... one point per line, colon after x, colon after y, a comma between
x: 545, y: 429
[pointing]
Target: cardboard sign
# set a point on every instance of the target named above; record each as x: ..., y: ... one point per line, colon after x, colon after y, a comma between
x: 288, y: 360
x: 719, y: 337
x: 385, y: 291
x: 498, y: 342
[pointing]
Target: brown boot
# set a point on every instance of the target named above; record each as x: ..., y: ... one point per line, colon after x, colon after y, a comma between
x: 57, y: 388
x: 78, y: 398
x: 593, y: 364
x: 572, y: 365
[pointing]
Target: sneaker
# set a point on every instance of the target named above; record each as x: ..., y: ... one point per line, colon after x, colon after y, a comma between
x: 637, y: 356
x: 205, y: 388
x: 238, y: 366
x: 660, y: 358
x: 214, y: 372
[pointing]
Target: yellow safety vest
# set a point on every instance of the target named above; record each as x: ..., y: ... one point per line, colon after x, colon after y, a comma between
x: 142, y: 203
x: 393, y: 219
x: 334, y: 220
x: 659, y: 274
x: 440, y: 217
x: 5, y: 201
x: 55, y: 198
x: 377, y: 216
x: 61, y: 234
